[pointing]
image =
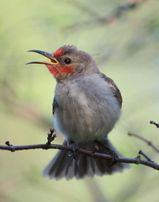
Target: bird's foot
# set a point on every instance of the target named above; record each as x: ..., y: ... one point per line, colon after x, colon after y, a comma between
x: 74, y: 149
x: 109, y: 151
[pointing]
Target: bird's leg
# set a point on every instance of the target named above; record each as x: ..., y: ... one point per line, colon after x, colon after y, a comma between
x: 74, y: 149
x: 108, y: 150
x: 96, y: 147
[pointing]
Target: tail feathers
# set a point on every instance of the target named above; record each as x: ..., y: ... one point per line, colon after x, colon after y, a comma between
x: 64, y: 165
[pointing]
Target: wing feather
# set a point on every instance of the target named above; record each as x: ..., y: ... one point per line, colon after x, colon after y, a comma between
x: 114, y: 88
x: 54, y: 105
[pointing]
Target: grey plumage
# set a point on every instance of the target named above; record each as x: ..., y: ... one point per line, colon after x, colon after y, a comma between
x: 87, y: 109
x: 64, y: 165
x: 86, y: 106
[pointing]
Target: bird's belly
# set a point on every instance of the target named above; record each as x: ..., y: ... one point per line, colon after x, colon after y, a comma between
x: 86, y: 119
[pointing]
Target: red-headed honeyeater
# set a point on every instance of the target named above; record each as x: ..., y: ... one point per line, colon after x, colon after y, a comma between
x: 86, y: 106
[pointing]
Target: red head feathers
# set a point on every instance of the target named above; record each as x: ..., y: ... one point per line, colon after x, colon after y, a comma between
x: 59, y: 52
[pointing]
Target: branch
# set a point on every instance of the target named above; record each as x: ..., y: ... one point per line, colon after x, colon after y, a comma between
x: 48, y: 145
x: 117, y: 13
x: 154, y: 123
x: 148, y: 142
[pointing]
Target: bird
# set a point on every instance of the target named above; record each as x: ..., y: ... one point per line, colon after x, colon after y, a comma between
x: 86, y: 106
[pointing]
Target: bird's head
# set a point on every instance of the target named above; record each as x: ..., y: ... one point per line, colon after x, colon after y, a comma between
x: 67, y: 62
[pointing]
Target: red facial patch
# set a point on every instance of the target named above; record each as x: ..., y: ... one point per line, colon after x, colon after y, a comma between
x: 53, y: 70
x: 61, y: 71
x: 67, y: 69
x: 59, y: 52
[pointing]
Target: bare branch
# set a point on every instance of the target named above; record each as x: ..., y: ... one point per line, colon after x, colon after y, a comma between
x: 148, y: 142
x: 137, y: 160
x: 118, y: 12
x: 144, y: 155
x: 154, y: 123
x: 83, y: 7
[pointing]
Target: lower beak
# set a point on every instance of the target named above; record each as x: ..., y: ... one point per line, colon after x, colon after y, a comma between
x: 53, y: 60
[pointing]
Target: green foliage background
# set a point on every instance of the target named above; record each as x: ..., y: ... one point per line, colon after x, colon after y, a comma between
x: 125, y: 49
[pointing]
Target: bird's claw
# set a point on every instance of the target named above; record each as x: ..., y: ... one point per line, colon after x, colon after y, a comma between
x: 73, y: 150
x: 109, y: 151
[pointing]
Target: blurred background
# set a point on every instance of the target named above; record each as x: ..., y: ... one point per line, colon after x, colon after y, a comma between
x: 123, y: 37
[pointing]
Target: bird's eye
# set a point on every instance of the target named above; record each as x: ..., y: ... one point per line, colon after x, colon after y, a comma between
x: 67, y: 61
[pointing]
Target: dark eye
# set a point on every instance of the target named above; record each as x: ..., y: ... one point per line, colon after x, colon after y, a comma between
x: 67, y: 61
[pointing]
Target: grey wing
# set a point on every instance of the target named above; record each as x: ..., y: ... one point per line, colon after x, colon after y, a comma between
x: 54, y: 105
x: 114, y: 88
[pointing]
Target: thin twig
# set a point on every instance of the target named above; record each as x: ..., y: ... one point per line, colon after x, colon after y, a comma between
x: 50, y: 136
x: 84, y: 7
x: 148, y: 142
x: 136, y: 160
x: 118, y: 12
x: 144, y: 155
x: 154, y: 123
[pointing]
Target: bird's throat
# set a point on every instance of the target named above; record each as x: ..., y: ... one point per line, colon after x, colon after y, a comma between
x: 61, y: 71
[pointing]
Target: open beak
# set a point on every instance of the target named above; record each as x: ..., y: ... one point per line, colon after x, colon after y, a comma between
x: 53, y: 60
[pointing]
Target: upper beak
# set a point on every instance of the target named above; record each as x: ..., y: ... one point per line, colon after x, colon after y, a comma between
x: 47, y: 55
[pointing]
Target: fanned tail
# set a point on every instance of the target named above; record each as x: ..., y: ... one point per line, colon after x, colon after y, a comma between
x: 64, y: 165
